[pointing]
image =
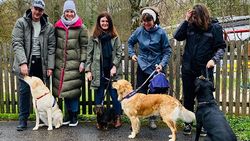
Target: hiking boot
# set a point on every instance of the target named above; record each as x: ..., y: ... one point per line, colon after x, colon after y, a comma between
x: 203, y: 132
x: 118, y: 122
x: 73, y: 121
x: 152, y: 124
x: 187, y: 129
x: 22, y: 125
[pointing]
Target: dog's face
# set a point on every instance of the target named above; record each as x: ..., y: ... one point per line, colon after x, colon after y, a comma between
x: 37, y: 86
x: 123, y: 88
x: 104, y: 116
x: 204, y: 89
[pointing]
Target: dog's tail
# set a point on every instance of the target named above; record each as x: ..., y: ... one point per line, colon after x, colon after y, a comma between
x: 186, y: 115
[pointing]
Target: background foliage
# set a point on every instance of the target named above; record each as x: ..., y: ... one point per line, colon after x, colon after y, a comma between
x: 125, y: 13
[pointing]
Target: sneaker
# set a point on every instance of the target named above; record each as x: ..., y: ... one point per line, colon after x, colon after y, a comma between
x: 187, y: 129
x: 73, y: 121
x: 22, y: 126
x: 152, y: 124
x: 66, y: 121
x: 203, y: 132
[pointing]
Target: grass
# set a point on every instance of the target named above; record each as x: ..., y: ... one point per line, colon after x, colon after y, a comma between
x: 239, y: 124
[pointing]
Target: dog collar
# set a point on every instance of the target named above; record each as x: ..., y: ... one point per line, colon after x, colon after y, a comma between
x: 206, y: 102
x: 129, y: 95
x: 42, y: 96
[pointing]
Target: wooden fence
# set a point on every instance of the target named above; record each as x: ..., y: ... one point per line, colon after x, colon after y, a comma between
x: 231, y: 80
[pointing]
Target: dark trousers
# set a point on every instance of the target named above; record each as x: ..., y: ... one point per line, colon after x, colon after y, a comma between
x: 24, y: 97
x: 141, y: 78
x: 99, y: 97
x: 189, y: 87
x: 72, y: 104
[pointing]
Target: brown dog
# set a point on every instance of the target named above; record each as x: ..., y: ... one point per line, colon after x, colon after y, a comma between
x: 141, y: 105
x: 44, y: 104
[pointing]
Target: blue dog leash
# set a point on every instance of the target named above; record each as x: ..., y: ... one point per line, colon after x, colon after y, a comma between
x: 136, y: 90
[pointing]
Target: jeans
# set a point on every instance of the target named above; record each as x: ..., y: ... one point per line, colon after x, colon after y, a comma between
x: 72, y: 104
x: 99, y: 97
x: 24, y: 100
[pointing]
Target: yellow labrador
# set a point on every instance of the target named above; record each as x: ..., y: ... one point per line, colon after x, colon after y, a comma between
x: 44, y: 104
x: 141, y: 105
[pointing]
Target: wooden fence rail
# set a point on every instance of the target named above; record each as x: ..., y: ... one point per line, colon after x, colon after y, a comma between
x: 232, y: 79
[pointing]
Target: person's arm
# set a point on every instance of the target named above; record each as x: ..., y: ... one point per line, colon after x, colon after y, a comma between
x: 180, y: 33
x: 219, y: 43
x: 219, y: 46
x: 18, y: 42
x: 51, y: 47
x: 118, y: 56
x: 83, y: 41
x: 131, y: 43
x: 90, y: 52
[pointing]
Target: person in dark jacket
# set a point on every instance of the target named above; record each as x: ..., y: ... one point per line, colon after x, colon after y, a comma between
x: 204, y: 48
x: 104, y: 62
x: 71, y: 47
x: 33, y: 43
x: 154, y: 50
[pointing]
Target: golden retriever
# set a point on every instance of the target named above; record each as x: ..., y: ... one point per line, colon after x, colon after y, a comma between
x: 44, y: 104
x: 141, y: 105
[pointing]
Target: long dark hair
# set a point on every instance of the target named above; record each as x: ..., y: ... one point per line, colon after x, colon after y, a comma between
x: 200, y: 16
x: 111, y: 29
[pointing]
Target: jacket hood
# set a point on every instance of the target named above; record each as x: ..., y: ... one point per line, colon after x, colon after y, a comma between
x: 28, y: 16
x: 59, y: 24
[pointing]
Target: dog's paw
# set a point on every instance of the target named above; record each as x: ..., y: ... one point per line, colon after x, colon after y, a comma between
x: 170, y: 140
x: 41, y: 125
x: 50, y: 128
x: 35, y: 128
x: 132, y: 135
x: 57, y: 126
x: 170, y: 136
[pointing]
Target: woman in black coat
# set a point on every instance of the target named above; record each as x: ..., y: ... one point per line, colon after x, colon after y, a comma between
x: 204, y: 48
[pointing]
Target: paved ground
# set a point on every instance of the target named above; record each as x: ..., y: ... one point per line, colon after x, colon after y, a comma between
x: 85, y: 132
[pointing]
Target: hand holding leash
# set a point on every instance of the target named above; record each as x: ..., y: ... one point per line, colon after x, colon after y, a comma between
x: 134, y: 58
x: 113, y: 71
x: 210, y: 63
x: 158, y: 68
x: 89, y: 76
x: 24, y: 69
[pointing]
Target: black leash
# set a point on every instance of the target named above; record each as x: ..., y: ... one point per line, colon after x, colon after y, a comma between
x: 109, y: 81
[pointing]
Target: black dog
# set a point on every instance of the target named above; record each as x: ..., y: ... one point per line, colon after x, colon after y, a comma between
x: 209, y: 115
x: 104, y: 116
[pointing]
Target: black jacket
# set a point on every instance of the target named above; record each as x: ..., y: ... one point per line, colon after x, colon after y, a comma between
x: 201, y: 46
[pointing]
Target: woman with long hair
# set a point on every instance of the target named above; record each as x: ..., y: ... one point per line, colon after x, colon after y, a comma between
x: 103, y: 64
x: 204, y: 47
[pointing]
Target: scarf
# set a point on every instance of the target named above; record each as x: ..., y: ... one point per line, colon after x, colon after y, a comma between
x: 106, y: 45
x: 67, y: 22
x: 107, y: 49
